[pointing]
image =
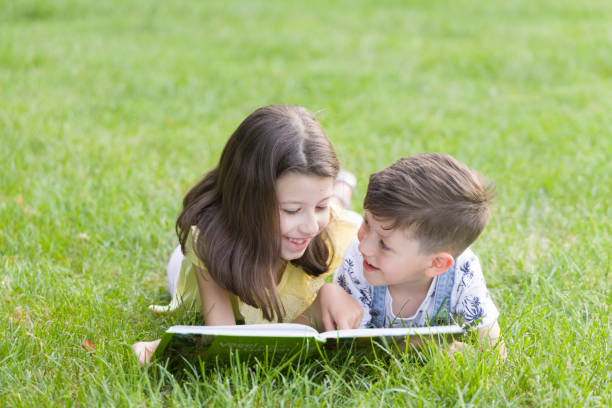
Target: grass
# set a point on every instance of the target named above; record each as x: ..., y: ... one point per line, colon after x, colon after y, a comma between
x: 109, y: 111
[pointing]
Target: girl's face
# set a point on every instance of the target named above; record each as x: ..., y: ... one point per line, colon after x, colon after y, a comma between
x: 304, y: 210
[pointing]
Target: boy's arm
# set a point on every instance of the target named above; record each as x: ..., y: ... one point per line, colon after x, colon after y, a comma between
x: 492, y: 336
x: 474, y: 303
x: 349, y: 276
x: 336, y: 306
x: 332, y: 309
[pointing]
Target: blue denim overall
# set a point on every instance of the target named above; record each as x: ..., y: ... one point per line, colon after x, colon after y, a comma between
x: 442, y: 294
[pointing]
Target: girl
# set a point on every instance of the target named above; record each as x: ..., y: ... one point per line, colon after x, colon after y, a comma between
x: 259, y: 231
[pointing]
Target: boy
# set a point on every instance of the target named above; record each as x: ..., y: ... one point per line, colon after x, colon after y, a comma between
x: 411, y: 265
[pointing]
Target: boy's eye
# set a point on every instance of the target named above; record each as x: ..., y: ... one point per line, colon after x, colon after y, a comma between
x: 321, y: 207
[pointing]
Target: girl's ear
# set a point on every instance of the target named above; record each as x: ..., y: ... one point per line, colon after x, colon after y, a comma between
x: 440, y: 262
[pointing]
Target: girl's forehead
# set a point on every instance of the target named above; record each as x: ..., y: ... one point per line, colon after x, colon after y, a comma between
x: 296, y: 187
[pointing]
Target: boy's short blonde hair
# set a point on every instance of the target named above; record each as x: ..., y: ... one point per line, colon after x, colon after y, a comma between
x: 439, y: 200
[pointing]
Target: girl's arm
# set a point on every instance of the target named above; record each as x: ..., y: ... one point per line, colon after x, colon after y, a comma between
x: 216, y: 303
x: 216, y: 307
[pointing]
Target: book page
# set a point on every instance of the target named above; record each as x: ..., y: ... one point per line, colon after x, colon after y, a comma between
x: 250, y: 330
x: 391, y: 332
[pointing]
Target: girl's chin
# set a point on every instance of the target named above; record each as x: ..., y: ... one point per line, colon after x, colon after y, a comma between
x: 291, y: 255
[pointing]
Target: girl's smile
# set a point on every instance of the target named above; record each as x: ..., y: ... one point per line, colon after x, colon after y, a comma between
x: 296, y: 243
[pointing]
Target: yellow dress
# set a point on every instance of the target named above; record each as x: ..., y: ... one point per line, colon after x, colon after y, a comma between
x: 297, y: 290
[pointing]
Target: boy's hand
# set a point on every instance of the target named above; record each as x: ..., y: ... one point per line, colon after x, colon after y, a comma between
x: 490, y: 335
x: 338, y: 309
x: 144, y: 350
x: 458, y: 347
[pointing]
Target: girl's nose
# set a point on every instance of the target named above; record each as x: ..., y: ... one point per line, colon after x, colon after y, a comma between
x: 310, y: 225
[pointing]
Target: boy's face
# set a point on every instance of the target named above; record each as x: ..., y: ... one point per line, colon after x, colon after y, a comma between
x: 391, y: 256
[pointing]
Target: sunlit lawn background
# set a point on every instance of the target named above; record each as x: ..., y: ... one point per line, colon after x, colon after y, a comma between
x: 110, y: 110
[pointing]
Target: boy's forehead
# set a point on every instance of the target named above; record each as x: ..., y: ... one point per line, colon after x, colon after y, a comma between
x: 385, y: 224
x: 388, y: 226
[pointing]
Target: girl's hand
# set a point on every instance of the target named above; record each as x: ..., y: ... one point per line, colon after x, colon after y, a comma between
x: 144, y: 350
x: 338, y: 309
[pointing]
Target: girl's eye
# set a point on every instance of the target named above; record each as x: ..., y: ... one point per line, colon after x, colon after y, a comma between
x: 291, y: 212
x: 321, y: 207
x: 383, y: 245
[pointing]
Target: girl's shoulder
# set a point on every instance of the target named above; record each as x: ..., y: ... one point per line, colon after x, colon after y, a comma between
x: 342, y: 229
x: 343, y: 222
x: 190, y: 244
x: 345, y: 217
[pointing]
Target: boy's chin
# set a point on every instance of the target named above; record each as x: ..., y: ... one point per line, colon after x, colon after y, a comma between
x: 373, y: 282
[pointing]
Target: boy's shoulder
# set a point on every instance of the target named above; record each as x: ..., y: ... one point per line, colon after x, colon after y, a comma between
x: 467, y: 256
x: 467, y: 268
x: 352, y: 266
x: 352, y: 257
x: 470, y: 297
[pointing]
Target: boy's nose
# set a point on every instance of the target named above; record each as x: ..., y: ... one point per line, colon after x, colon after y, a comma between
x: 364, y: 246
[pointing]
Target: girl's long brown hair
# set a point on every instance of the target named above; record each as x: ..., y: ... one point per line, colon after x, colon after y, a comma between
x: 235, y: 208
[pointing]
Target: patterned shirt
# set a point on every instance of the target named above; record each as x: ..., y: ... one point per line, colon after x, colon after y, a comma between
x: 469, y: 301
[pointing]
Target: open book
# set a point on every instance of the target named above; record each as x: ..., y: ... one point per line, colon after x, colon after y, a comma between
x: 281, y: 339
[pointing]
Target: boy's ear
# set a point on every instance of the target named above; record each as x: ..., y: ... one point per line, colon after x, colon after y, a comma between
x: 440, y: 263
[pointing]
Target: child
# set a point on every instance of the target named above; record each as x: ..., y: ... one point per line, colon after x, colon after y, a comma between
x: 411, y: 265
x: 258, y: 231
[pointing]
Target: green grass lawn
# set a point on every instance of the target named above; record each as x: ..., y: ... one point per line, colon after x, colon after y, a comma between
x: 109, y: 111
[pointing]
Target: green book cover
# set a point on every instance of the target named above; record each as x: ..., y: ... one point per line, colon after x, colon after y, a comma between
x: 208, y: 343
